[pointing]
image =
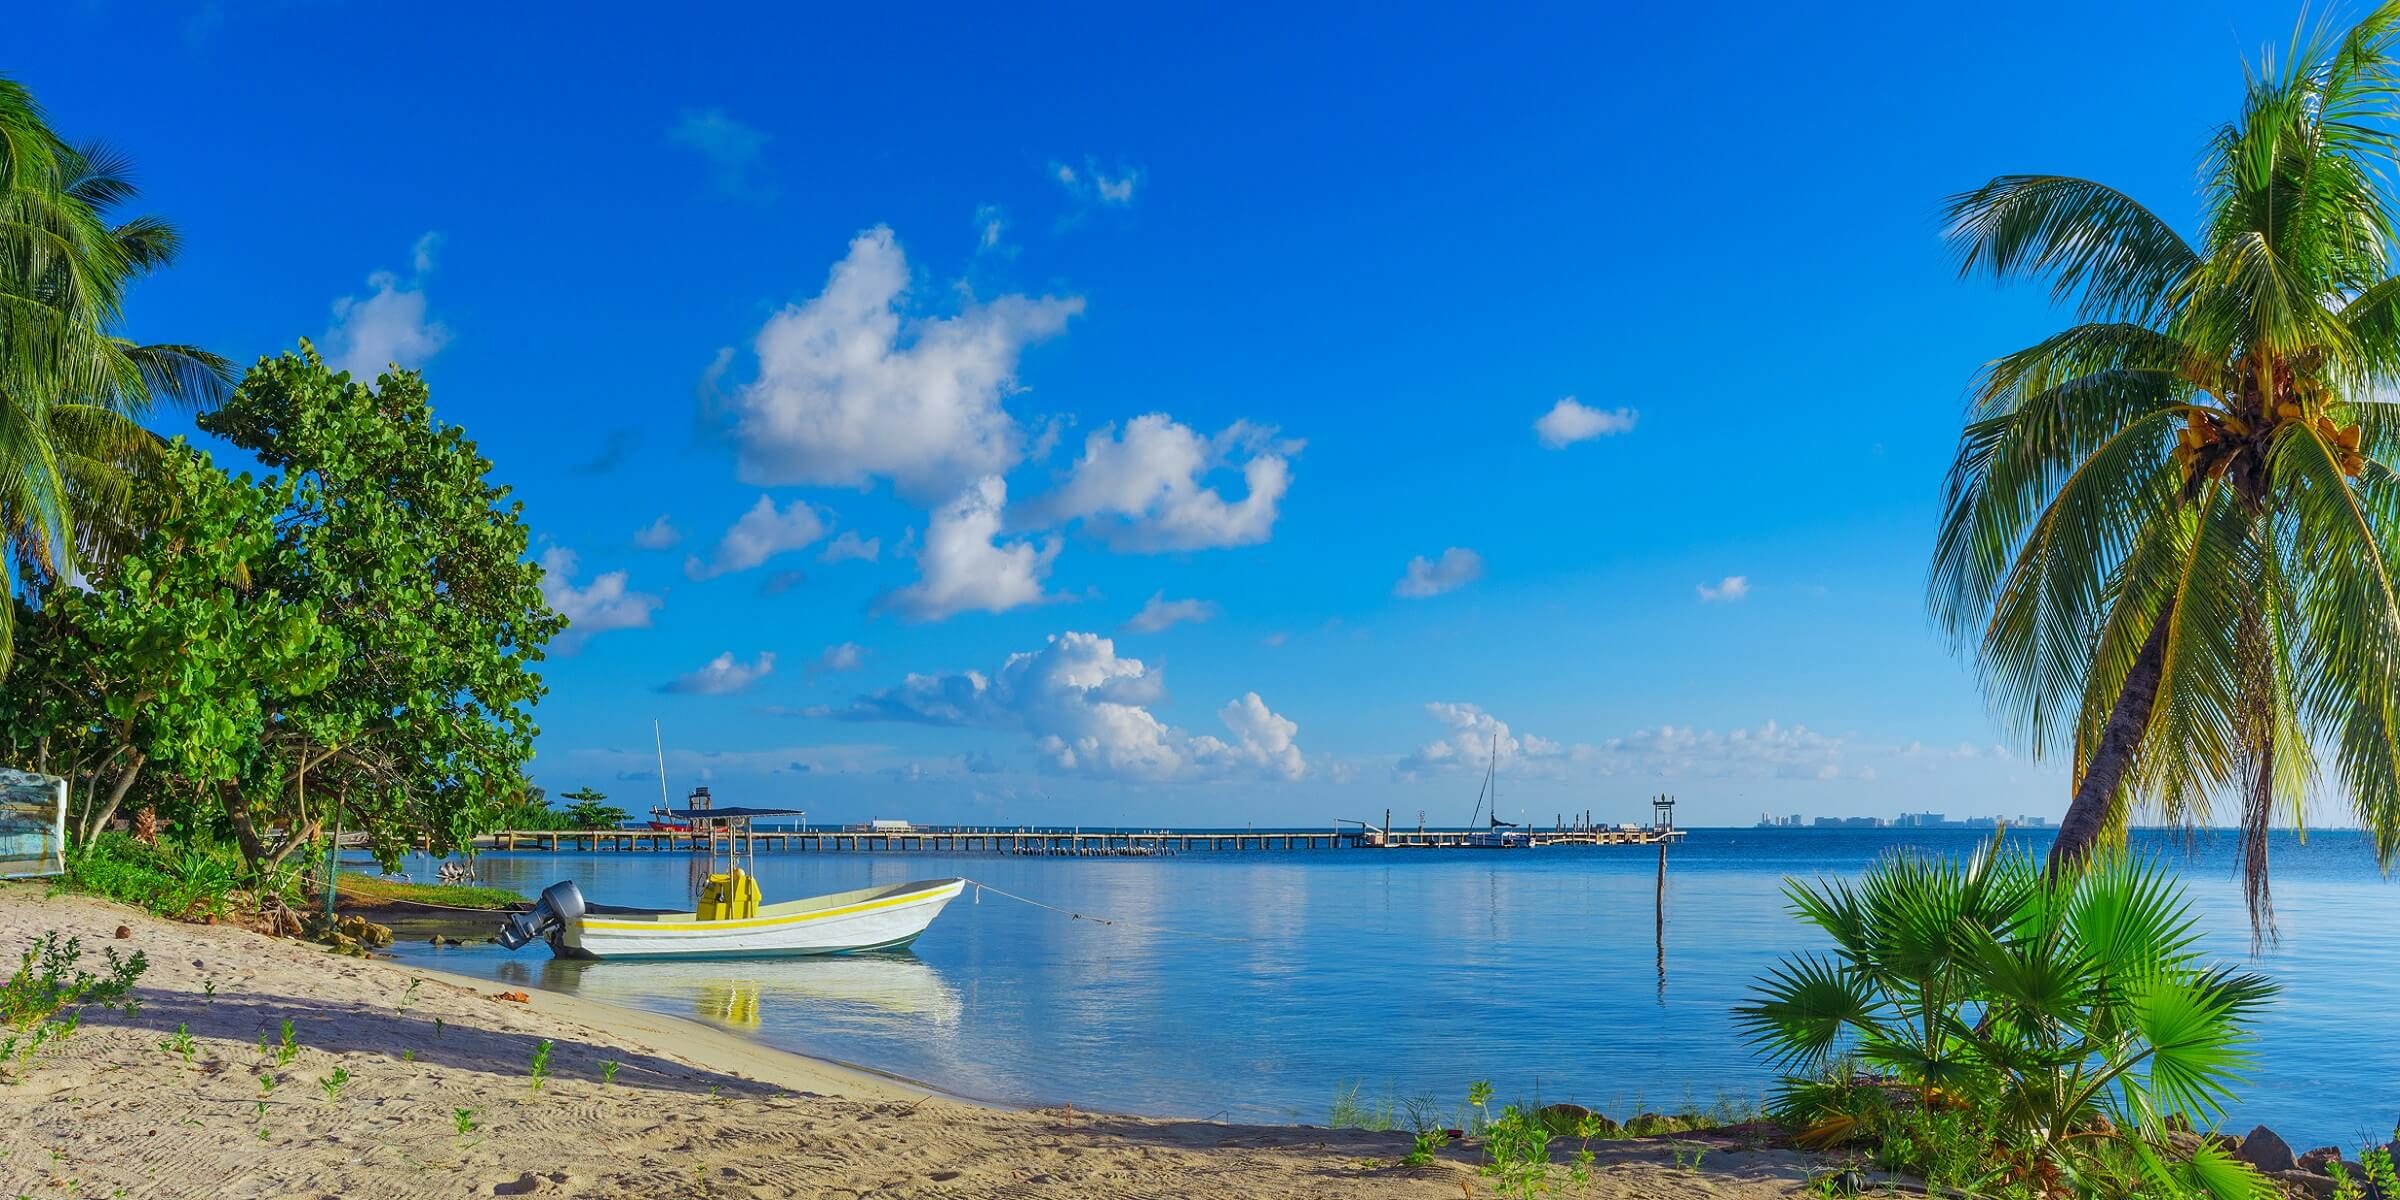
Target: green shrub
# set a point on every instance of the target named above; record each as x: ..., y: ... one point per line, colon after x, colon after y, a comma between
x: 2037, y: 1030
x: 188, y: 881
x: 2375, y: 1171
x: 48, y: 982
x: 1516, y: 1150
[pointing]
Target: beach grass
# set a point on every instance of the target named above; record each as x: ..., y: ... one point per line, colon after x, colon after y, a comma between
x: 363, y: 888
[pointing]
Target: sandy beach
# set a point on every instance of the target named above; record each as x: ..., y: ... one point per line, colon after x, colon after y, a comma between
x: 690, y: 1111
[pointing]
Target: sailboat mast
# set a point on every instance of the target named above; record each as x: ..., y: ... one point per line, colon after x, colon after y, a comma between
x: 1490, y: 789
x: 660, y: 741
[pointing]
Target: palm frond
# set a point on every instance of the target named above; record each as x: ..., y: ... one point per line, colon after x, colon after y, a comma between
x: 2093, y: 243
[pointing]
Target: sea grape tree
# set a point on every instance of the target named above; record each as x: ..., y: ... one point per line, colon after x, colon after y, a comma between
x: 414, y: 559
x: 168, y: 664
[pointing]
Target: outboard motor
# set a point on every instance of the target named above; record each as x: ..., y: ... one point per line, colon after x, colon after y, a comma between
x: 561, y: 902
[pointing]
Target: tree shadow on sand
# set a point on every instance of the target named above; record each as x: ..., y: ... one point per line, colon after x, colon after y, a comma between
x: 376, y: 1030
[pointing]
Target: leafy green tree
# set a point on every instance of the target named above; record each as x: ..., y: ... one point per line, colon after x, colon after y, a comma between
x: 403, y: 546
x: 166, y: 666
x: 2171, y: 528
x: 72, y: 392
x: 588, y: 809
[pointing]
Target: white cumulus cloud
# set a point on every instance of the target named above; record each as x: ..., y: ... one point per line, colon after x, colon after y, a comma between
x: 1477, y: 739
x: 762, y: 533
x: 603, y: 604
x: 1263, y: 739
x: 1161, y: 612
x: 1087, y: 711
x: 847, y: 545
x: 1456, y: 568
x: 389, y: 326
x: 849, y: 390
x: 1724, y: 591
x: 1569, y: 422
x: 660, y: 534
x: 1141, y: 489
x: 847, y: 656
x: 724, y: 675
x: 962, y: 568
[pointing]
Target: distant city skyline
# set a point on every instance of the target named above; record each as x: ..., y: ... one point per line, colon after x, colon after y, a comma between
x: 1906, y: 820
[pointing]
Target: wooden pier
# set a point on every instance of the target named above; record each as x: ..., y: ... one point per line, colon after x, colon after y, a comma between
x: 1076, y: 843
x: 1513, y: 839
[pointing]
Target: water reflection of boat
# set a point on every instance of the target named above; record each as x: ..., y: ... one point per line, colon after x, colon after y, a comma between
x: 737, y: 993
x: 733, y: 1002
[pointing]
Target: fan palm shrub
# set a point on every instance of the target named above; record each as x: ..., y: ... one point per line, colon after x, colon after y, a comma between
x: 2072, y: 1015
x: 2171, y: 529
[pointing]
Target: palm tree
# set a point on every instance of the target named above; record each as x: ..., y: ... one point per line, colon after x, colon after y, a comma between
x: 72, y: 391
x: 2171, y: 528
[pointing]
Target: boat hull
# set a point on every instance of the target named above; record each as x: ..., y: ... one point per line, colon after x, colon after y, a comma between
x: 859, y: 922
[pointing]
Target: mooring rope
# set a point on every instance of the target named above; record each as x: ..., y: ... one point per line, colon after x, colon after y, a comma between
x: 981, y: 887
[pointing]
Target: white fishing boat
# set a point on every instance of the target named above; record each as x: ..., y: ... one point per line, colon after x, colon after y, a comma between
x: 730, y: 923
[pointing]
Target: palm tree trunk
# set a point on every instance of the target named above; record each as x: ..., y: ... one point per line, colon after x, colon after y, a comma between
x: 2104, y: 777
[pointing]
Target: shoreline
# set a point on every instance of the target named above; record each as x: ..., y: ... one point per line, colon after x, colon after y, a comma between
x: 394, y: 1088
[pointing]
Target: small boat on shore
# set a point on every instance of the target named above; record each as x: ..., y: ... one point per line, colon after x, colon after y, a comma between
x: 730, y: 923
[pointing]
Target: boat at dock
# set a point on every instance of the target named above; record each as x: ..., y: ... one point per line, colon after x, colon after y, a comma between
x: 1486, y: 831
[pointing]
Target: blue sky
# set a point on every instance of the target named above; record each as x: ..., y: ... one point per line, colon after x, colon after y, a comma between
x: 1244, y: 312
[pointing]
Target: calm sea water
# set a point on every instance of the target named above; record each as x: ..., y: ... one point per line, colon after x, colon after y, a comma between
x: 1255, y: 986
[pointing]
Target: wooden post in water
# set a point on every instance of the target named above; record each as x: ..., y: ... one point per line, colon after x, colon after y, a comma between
x: 1660, y: 935
x: 1663, y: 820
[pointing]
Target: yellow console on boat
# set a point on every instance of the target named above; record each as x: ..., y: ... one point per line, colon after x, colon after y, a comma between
x: 728, y: 897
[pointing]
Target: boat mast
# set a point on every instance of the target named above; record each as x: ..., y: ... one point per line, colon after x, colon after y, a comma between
x: 1489, y: 788
x: 660, y: 741
x: 1494, y: 771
